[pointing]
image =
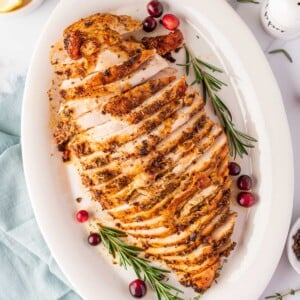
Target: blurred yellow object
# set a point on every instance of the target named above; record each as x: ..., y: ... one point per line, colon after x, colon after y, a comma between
x: 9, y: 5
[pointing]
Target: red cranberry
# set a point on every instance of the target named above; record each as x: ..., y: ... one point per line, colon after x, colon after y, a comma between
x: 149, y: 24
x: 246, y: 199
x: 155, y: 9
x: 138, y: 288
x: 170, y: 22
x: 82, y: 216
x: 245, y: 183
x: 94, y: 239
x: 234, y: 169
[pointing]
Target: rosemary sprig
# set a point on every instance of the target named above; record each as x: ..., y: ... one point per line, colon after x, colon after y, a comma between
x: 239, y: 142
x: 129, y: 257
x: 284, y: 52
x: 248, y: 1
x: 278, y: 296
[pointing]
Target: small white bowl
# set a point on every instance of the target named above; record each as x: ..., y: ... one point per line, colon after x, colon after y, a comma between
x: 291, y: 254
x: 23, y: 10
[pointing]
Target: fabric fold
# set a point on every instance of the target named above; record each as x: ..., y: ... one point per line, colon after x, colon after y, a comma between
x: 28, y: 271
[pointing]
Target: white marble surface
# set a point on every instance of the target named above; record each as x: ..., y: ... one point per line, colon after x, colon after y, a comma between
x: 18, y: 38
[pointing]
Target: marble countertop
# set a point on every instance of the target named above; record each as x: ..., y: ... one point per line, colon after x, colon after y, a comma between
x: 18, y: 38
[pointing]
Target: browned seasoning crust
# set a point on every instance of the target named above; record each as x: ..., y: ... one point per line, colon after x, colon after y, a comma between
x: 72, y: 43
x: 86, y: 65
x: 151, y: 156
x: 86, y: 36
x: 108, y: 76
x: 123, y: 104
x: 118, y: 106
x: 164, y: 44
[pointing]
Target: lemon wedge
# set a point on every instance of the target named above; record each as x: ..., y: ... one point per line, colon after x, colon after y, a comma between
x: 9, y: 5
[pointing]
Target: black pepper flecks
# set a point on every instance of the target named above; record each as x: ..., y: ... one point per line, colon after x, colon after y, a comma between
x: 78, y: 199
x: 296, y: 246
x: 168, y: 56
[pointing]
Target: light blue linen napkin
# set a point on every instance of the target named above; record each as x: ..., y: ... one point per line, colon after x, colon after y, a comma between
x: 27, y: 270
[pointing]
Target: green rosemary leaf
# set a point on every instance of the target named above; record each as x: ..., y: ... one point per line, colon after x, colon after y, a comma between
x: 287, y: 55
x: 248, y: 1
x: 279, y: 296
x: 204, y: 93
x: 216, y: 81
x: 198, y: 74
x: 239, y: 142
x: 187, y: 62
x: 223, y: 107
x: 209, y: 66
x: 129, y: 257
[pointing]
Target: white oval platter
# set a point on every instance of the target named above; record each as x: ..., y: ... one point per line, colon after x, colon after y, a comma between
x: 214, y: 32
